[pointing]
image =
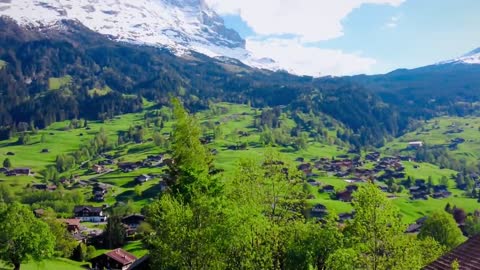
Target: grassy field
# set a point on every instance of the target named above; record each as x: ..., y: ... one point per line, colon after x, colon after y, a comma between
x: 63, y: 264
x: 57, y: 83
x: 441, y: 131
x: 99, y: 91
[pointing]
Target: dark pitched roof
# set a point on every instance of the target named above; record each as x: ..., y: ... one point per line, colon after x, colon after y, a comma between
x: 467, y: 255
x: 88, y: 208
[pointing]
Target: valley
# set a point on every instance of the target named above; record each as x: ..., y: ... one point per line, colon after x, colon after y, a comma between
x: 150, y: 135
x: 230, y: 133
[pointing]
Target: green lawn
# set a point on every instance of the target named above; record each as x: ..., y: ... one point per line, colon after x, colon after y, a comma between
x: 99, y: 91
x: 63, y: 264
x: 57, y: 83
x: 58, y: 138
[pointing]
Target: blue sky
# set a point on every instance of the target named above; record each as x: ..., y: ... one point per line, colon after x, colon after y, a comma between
x: 341, y: 37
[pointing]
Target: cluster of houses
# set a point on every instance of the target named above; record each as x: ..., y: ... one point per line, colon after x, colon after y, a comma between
x: 150, y: 162
x: 99, y: 191
x: 92, y: 214
x: 353, y: 171
x: 384, y: 168
x: 421, y: 191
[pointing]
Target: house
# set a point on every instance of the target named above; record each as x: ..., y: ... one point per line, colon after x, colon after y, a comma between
x: 19, y: 172
x: 98, y: 169
x: 44, y: 187
x: 98, y: 197
x: 413, y: 228
x: 319, y: 208
x: 328, y: 189
x: 415, y: 145
x: 346, y: 216
x: 142, y: 179
x: 466, y: 255
x: 115, y: 259
x: 39, y: 213
x: 128, y: 166
x: 352, y: 188
x: 313, y: 182
x: 73, y: 225
x: 375, y: 156
x: 344, y: 196
x: 318, y: 211
x: 132, y: 222
x: 89, y: 214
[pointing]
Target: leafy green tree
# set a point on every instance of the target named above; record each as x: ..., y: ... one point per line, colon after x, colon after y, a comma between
x: 442, y: 227
x: 6, y: 193
x: 158, y: 139
x: 22, y: 236
x: 472, y: 225
x: 187, y: 236
x: 7, y: 163
x: 91, y: 252
x: 138, y: 191
x: 377, y: 234
x: 301, y: 142
x: 65, y: 244
x: 444, y: 181
x: 376, y: 226
x: 343, y: 259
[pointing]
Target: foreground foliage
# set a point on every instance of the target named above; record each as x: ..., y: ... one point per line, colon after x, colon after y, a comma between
x: 22, y: 236
x: 256, y: 221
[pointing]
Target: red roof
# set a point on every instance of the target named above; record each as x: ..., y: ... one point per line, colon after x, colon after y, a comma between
x: 121, y: 256
x: 467, y: 255
x: 72, y: 221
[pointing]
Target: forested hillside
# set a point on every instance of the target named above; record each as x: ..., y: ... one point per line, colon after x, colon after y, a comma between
x: 70, y: 72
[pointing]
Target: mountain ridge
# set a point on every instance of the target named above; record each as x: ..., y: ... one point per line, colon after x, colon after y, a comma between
x: 179, y: 25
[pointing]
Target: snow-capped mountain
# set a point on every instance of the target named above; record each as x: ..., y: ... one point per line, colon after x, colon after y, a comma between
x: 180, y: 25
x: 472, y: 57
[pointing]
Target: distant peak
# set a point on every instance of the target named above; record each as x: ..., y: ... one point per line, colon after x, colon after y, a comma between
x: 472, y: 57
x: 472, y: 53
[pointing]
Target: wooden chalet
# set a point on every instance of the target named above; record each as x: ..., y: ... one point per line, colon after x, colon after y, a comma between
x: 115, y: 259
x: 73, y: 225
x: 89, y: 214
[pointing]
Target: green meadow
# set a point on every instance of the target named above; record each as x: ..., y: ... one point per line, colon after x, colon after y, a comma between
x: 57, y: 83
x: 441, y: 131
x: 236, y: 123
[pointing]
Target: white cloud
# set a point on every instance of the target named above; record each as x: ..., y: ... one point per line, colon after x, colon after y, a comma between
x: 292, y: 55
x: 311, y: 20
